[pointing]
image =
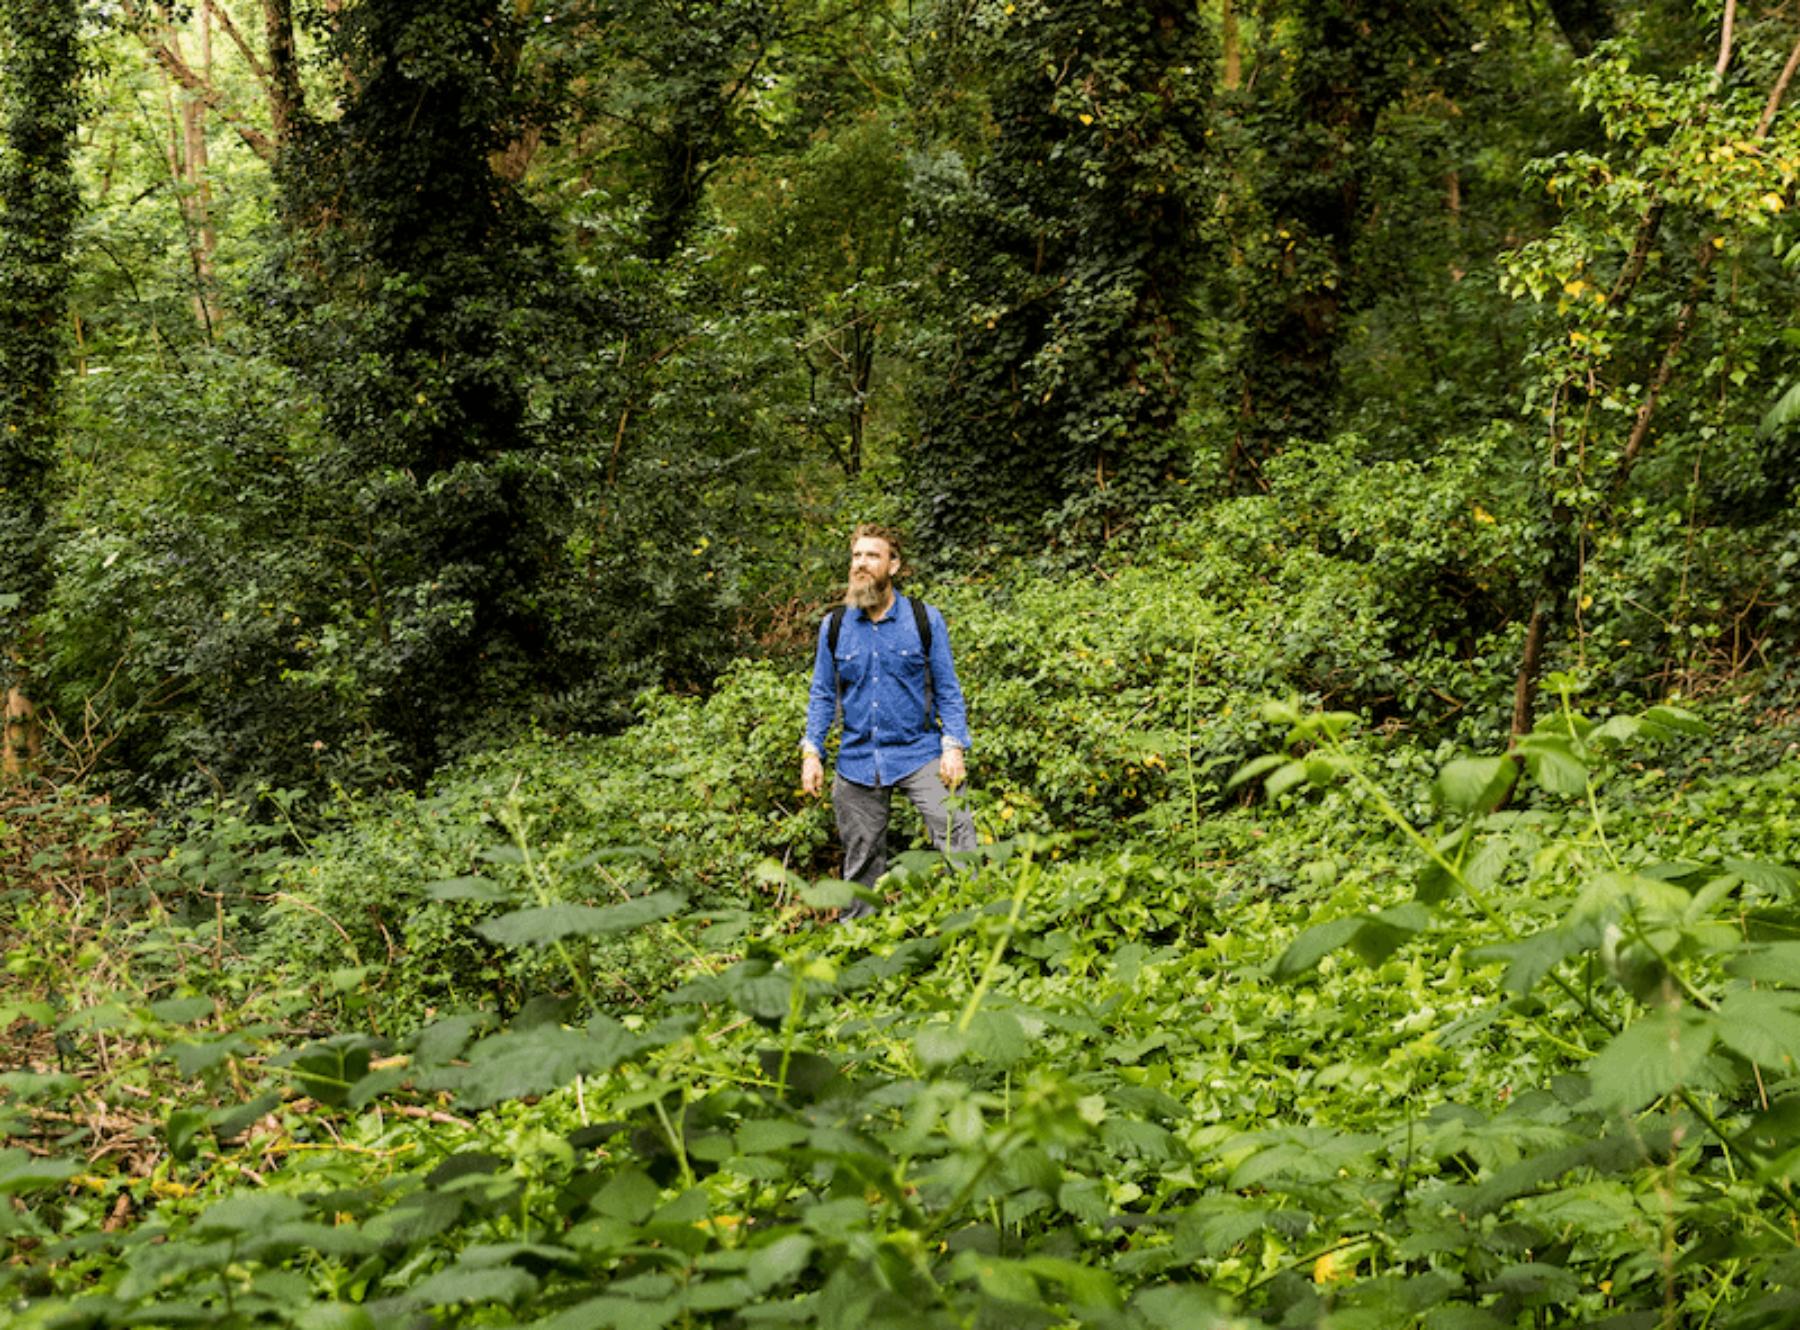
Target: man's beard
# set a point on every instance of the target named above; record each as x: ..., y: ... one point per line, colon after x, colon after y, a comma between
x: 868, y: 594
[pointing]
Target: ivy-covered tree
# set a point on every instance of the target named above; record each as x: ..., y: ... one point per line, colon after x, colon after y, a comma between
x: 1303, y: 136
x: 39, y: 99
x: 423, y: 297
x: 1065, y: 257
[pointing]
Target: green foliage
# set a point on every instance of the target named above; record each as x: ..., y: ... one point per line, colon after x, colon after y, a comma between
x: 1067, y: 258
x: 40, y: 92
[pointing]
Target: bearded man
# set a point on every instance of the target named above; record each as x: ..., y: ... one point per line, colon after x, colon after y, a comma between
x: 883, y: 663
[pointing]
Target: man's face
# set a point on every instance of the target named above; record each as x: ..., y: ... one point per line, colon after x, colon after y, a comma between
x: 872, y: 567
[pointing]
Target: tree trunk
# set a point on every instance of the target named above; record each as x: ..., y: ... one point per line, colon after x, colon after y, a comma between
x: 286, y: 102
x: 39, y: 64
x: 1231, y: 53
x: 21, y: 743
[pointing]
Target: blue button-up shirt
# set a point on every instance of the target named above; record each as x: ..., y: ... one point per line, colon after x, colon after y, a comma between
x: 881, y: 666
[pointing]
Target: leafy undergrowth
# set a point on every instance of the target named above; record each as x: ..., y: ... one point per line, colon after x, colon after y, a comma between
x: 1511, y: 1042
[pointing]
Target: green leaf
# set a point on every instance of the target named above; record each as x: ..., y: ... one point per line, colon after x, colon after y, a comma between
x: 1317, y: 942
x: 250, y: 1213
x: 831, y: 894
x: 1784, y: 412
x: 1553, y: 764
x: 1087, y: 1285
x: 1387, y: 931
x: 496, y: 1283
x: 1677, y: 719
x: 778, y: 1262
x: 517, y: 1063
x: 21, y: 1172
x: 1255, y: 767
x: 179, y: 1132
x: 1472, y: 785
x: 997, y: 1037
x: 1659, y: 1054
x: 939, y: 1045
x: 467, y: 889
x: 1285, y: 778
x: 1183, y: 1307
x: 1762, y: 1026
x: 1769, y: 963
x: 1776, y: 879
x: 543, y: 924
x: 183, y: 1010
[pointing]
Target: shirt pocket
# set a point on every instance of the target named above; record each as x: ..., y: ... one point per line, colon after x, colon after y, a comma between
x: 852, y: 665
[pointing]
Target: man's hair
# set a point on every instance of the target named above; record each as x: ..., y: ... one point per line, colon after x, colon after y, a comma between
x: 877, y: 531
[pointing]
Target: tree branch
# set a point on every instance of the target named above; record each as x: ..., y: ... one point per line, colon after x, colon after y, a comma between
x: 257, y: 67
x: 1776, y: 93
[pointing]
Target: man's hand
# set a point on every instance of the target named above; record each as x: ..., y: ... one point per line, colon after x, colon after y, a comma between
x: 951, y: 768
x: 812, y: 774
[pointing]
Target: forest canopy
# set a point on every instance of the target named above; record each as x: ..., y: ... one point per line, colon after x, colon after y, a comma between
x: 1354, y: 446
x: 381, y: 382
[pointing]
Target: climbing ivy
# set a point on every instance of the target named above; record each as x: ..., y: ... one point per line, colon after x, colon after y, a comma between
x: 40, y: 65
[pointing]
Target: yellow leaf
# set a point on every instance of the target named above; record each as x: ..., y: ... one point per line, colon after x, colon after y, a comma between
x: 1773, y: 201
x: 1331, y: 1269
x: 1483, y: 516
x: 1010, y: 8
x: 1575, y: 286
x: 1718, y: 242
x: 1587, y: 602
x: 1085, y: 118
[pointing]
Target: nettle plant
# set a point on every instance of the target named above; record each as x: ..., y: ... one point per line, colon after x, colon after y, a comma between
x: 1656, y: 1174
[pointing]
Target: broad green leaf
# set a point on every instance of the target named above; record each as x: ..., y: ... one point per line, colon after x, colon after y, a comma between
x: 21, y: 1172
x: 1661, y: 1053
x: 1769, y: 963
x: 1285, y: 778
x: 183, y: 1010
x: 1255, y: 767
x: 1281, y: 713
x: 1088, y: 1286
x: 612, y: 1312
x: 1472, y: 785
x: 1677, y: 719
x: 1761, y: 1025
x: 939, y: 1045
x: 997, y: 1037
x: 535, y: 1061
x: 767, y: 1135
x: 467, y: 889
x: 778, y: 1262
x: 1388, y: 930
x: 629, y: 1195
x: 1002, y: 1279
x: 1553, y: 764
x: 179, y: 1132
x: 542, y: 924
x: 829, y: 893
x: 1313, y: 945
x: 1183, y: 1307
x: 1776, y: 879
x: 250, y: 1213
x: 495, y: 1283
x: 1784, y: 411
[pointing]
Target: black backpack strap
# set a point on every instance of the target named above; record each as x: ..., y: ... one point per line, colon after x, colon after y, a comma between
x: 833, y: 627
x: 922, y: 619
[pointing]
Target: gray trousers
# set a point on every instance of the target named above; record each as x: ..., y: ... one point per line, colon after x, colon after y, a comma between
x: 862, y: 821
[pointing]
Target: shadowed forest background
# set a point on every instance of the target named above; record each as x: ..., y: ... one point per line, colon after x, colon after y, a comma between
x: 1355, y: 444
